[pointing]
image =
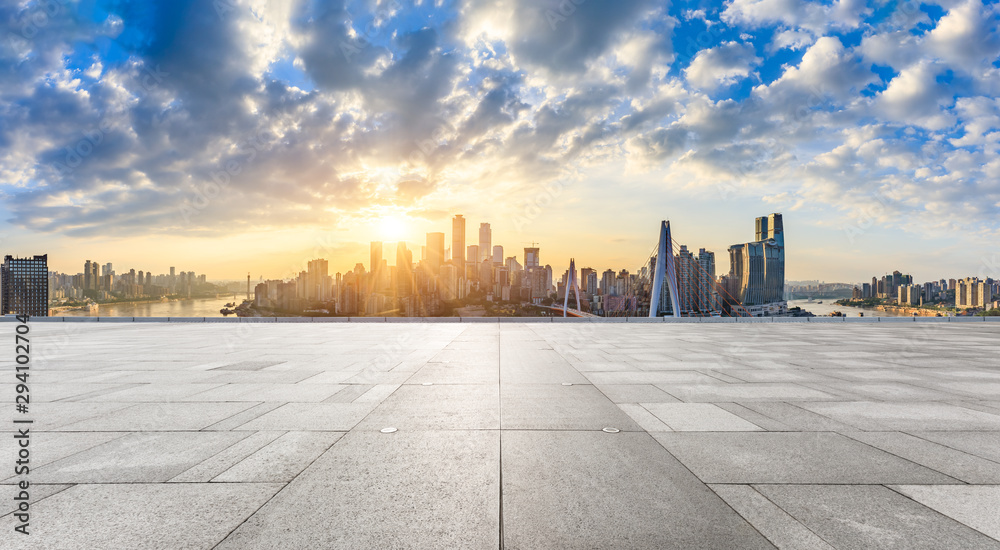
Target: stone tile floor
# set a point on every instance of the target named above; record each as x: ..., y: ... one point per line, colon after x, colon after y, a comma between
x: 508, y: 435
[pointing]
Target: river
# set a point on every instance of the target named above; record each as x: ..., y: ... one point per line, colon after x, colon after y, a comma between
x: 193, y: 307
x: 828, y: 307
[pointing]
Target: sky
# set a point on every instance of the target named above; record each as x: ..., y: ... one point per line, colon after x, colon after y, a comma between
x: 231, y: 136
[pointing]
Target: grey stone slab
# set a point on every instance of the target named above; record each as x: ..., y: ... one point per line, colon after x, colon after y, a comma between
x: 771, y: 521
x: 47, y: 447
x: 533, y: 366
x: 884, y: 391
x: 698, y: 417
x: 334, y: 417
x: 982, y: 444
x: 207, y: 469
x: 645, y: 419
x: 174, y: 515
x: 237, y: 420
x: 436, y: 489
x: 36, y: 492
x: 438, y: 407
x: 795, y: 418
x: 137, y: 457
x: 953, y: 463
x: 151, y: 393
x: 456, y: 373
x: 51, y: 416
x: 282, y: 459
x: 720, y: 392
x: 791, y: 457
x: 649, y: 377
x: 889, y: 416
x: 872, y: 517
x: 551, y: 407
x: 350, y: 393
x: 975, y: 506
x: 636, y: 393
x: 159, y: 417
x: 599, y: 490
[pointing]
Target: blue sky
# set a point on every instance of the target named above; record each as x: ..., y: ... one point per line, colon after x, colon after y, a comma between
x: 255, y: 135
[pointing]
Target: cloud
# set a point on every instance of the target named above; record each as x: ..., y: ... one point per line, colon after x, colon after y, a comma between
x: 721, y: 66
x: 176, y: 118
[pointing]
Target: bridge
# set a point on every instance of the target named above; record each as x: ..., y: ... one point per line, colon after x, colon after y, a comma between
x: 655, y: 291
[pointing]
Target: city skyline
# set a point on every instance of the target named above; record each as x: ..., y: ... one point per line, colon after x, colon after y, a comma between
x: 871, y: 128
x: 347, y: 260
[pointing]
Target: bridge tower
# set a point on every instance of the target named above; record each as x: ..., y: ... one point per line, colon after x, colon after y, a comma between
x: 572, y: 284
x: 664, y: 270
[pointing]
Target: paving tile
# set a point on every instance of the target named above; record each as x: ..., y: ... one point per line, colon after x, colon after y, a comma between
x: 444, y: 407
x: 716, y: 392
x: 982, y: 444
x: 790, y: 457
x: 636, y: 393
x: 599, y: 490
x: 551, y: 407
x: 167, y: 515
x: 214, y: 465
x: 159, y: 417
x: 953, y: 463
x: 282, y: 459
x: 872, y: 517
x: 137, y: 458
x: 975, y: 506
x: 774, y: 523
x: 371, y: 490
x: 888, y: 416
x: 698, y: 417
x: 335, y: 417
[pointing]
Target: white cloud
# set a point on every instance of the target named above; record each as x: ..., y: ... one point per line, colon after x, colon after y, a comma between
x: 721, y: 66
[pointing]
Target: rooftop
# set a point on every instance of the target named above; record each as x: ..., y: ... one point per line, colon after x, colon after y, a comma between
x: 513, y: 435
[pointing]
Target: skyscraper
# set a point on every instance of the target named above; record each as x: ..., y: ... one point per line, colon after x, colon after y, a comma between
x: 24, y: 286
x: 687, y: 281
x: 531, y: 258
x: 497, y: 255
x: 404, y: 270
x: 485, y: 242
x: 458, y: 244
x: 318, y: 280
x: 759, y: 267
x: 708, y: 297
x: 435, y: 252
x: 375, y: 256
x: 472, y: 253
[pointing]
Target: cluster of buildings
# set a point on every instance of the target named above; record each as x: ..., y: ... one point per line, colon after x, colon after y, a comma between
x: 27, y: 286
x: 100, y: 282
x: 968, y: 293
x: 453, y: 270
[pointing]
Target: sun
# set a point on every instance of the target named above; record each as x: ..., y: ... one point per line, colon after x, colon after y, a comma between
x: 392, y: 228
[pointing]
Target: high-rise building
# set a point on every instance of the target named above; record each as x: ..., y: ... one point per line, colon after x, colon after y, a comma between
x: 531, y: 258
x: 497, y: 255
x: 24, y: 286
x: 973, y: 293
x: 318, y: 284
x: 759, y: 266
x: 375, y: 263
x: 485, y: 242
x: 404, y: 270
x: 471, y: 255
x: 458, y: 244
x: 435, y: 252
x: 708, y: 296
x: 687, y: 281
